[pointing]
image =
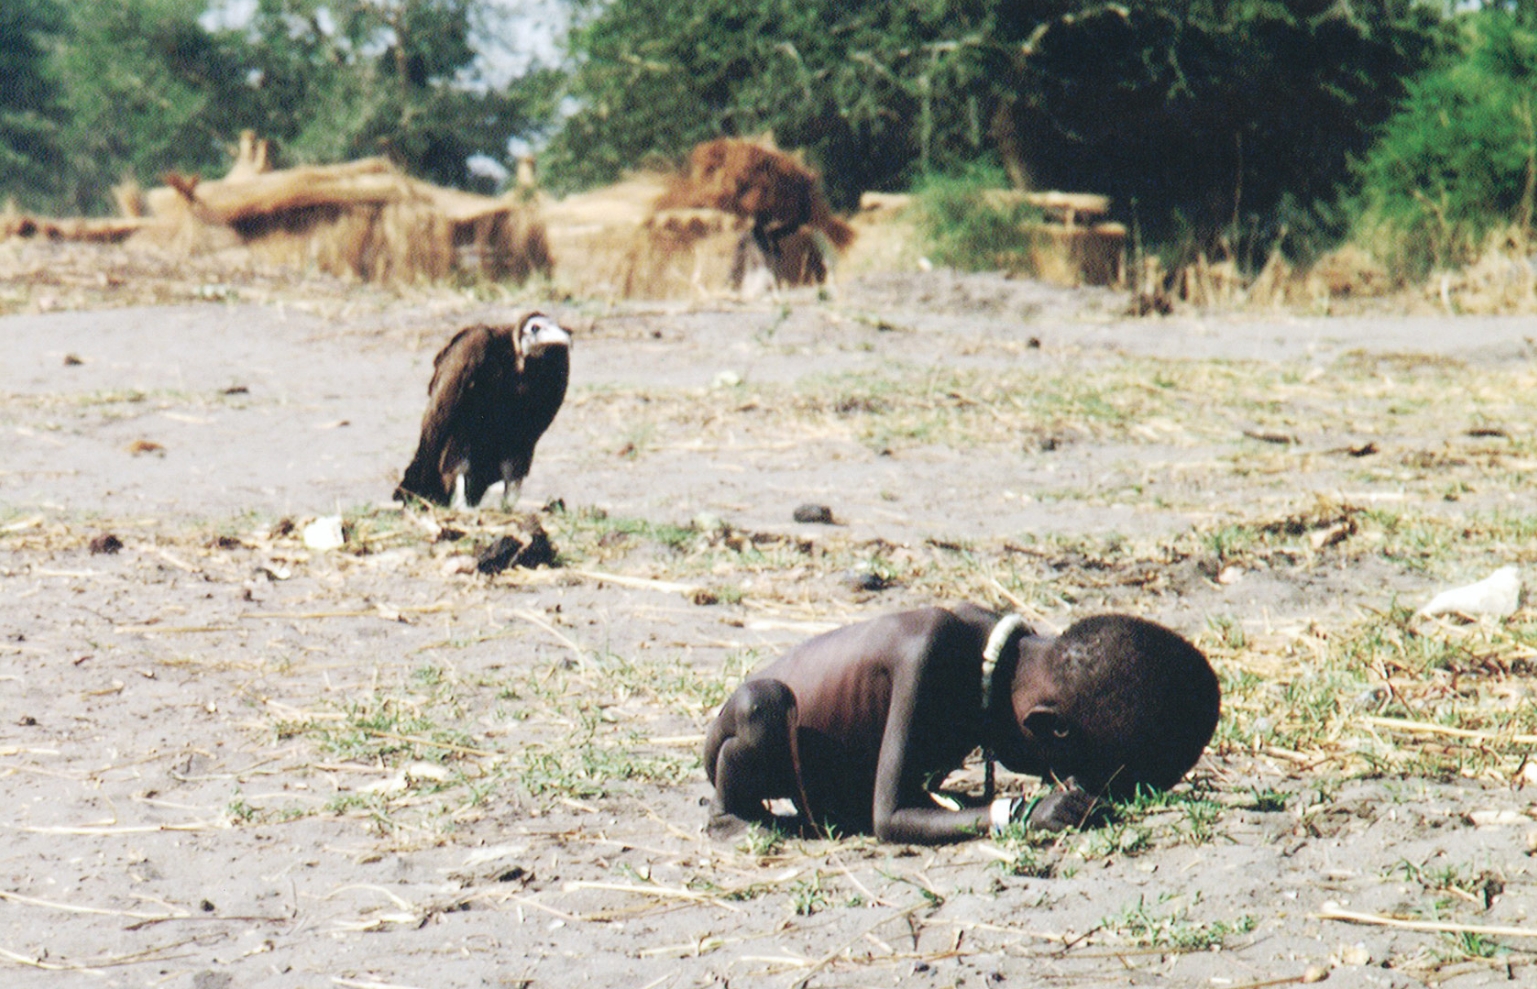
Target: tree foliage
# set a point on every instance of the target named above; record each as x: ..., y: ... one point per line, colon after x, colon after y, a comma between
x: 1215, y: 117
x: 30, y: 155
x: 338, y: 80
x: 875, y: 91
x: 147, y: 90
x: 1206, y: 114
x: 146, y: 86
x: 1459, y: 159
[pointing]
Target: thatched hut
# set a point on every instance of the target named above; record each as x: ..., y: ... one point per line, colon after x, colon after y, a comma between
x: 364, y: 218
x: 700, y: 231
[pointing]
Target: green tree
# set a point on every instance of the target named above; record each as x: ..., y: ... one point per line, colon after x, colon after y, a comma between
x: 1222, y: 121
x: 30, y: 156
x: 1211, y: 116
x: 337, y: 80
x: 147, y: 89
x: 876, y: 91
x: 1459, y: 159
x: 155, y: 85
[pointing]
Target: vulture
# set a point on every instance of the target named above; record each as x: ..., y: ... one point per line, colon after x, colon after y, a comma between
x: 494, y: 391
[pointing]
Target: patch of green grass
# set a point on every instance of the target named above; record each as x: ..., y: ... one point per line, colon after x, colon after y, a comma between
x: 1026, y: 858
x: 970, y: 222
x: 1151, y: 928
x: 807, y: 895
x: 762, y: 841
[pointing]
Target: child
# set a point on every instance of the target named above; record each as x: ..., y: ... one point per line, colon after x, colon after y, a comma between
x: 855, y: 725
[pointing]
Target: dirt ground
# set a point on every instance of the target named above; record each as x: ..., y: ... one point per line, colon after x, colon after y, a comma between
x: 230, y: 760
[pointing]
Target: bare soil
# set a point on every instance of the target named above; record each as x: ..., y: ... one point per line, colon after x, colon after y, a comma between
x: 229, y: 760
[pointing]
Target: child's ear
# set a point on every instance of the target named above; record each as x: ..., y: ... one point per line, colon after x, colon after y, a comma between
x: 1045, y: 723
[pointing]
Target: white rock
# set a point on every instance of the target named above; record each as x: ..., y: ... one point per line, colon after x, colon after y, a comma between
x: 325, y: 533
x: 1498, y: 594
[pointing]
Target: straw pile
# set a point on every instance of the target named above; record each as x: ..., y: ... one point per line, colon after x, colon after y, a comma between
x: 689, y: 235
x: 1070, y: 251
x: 775, y: 190
x: 14, y: 223
x: 363, y: 218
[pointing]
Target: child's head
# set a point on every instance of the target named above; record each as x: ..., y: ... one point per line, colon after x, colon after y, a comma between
x: 1115, y: 701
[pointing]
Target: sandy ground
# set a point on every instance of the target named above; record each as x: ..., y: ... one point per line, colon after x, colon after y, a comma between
x: 162, y: 826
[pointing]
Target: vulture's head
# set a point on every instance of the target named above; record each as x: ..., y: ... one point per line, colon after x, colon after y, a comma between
x: 539, y: 333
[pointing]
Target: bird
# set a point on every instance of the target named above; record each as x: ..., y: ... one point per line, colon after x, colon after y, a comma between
x: 494, y: 391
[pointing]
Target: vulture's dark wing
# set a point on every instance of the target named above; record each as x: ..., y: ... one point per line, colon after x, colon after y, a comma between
x: 456, y: 370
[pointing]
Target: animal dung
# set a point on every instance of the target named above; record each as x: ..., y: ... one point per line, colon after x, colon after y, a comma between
x: 325, y: 533
x: 105, y: 543
x: 145, y: 446
x: 814, y: 514
x: 1498, y: 594
x: 527, y: 549
x: 864, y: 580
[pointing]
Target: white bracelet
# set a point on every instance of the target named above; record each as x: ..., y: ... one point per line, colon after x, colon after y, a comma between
x: 999, y: 812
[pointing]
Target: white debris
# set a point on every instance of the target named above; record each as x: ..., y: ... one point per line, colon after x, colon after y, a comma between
x: 389, y: 786
x: 1495, y: 818
x: 1498, y: 594
x: 428, y: 771
x: 325, y: 533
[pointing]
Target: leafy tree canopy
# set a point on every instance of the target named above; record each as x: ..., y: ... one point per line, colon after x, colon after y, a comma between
x: 153, y: 85
x: 1203, y: 112
x: 1459, y: 159
x: 30, y: 156
x: 147, y: 90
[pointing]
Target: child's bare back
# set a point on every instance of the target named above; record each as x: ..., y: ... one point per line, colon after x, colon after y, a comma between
x: 854, y: 725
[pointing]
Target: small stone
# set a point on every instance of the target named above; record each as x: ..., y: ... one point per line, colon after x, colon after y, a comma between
x: 1315, y: 973
x: 106, y: 543
x: 1355, y: 954
x: 709, y: 522
x: 816, y: 514
x: 863, y: 580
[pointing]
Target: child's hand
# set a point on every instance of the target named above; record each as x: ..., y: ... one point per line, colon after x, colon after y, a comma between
x: 1068, y: 807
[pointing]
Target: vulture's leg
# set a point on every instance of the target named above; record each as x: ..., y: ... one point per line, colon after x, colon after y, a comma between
x: 512, y: 485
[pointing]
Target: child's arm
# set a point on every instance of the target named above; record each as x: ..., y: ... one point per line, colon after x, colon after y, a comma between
x: 925, y: 733
x: 920, y: 822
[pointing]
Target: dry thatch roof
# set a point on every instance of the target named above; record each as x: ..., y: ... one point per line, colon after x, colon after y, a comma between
x: 363, y: 218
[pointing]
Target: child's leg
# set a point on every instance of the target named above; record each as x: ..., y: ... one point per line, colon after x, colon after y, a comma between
x: 749, y: 757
